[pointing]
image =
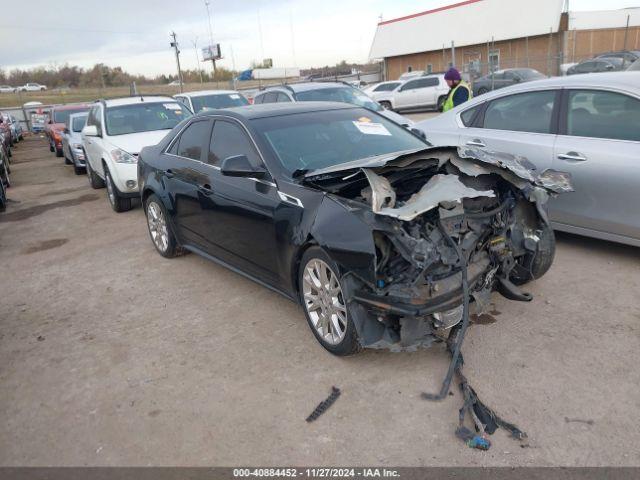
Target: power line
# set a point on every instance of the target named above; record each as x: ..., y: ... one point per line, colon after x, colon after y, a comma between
x: 72, y: 29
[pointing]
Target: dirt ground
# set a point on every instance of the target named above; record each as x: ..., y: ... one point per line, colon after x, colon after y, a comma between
x: 112, y: 355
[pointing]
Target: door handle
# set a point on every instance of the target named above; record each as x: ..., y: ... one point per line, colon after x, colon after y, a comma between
x: 476, y: 142
x: 573, y: 156
x: 169, y: 173
x: 205, y: 188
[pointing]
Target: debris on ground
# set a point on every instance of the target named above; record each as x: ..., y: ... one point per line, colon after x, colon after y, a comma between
x: 578, y: 420
x: 324, y: 405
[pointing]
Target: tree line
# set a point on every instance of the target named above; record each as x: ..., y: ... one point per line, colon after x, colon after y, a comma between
x: 101, y: 75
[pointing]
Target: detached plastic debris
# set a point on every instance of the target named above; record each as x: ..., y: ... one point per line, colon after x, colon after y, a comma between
x: 324, y: 405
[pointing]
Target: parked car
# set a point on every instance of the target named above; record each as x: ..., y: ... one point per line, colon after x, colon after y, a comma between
x: 505, y: 78
x: 58, y: 120
x: 7, y: 89
x: 32, y: 87
x: 597, y: 65
x: 211, y: 100
x: 417, y: 93
x: 17, y: 133
x: 336, y: 207
x: 374, y: 91
x: 115, y: 132
x: 627, y: 56
x: 588, y: 125
x: 325, y: 92
x: 4, y: 165
x: 72, y: 142
x: 6, y: 136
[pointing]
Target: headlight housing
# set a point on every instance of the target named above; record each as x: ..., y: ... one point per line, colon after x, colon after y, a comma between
x: 120, y: 156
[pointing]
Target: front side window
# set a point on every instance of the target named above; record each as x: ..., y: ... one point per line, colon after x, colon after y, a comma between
x: 601, y: 114
x: 468, y: 115
x: 524, y: 112
x: 339, y: 94
x: 320, y: 139
x: 193, y: 139
x: 218, y: 100
x: 387, y: 87
x: 228, y: 140
x: 144, y: 117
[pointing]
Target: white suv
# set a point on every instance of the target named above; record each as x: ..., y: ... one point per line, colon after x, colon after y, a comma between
x: 115, y: 132
x: 423, y: 92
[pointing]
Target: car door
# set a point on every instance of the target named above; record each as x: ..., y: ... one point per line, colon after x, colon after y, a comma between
x: 240, y: 211
x: 406, y: 96
x: 599, y: 145
x: 520, y: 124
x: 92, y: 145
x: 187, y: 179
x: 427, y: 91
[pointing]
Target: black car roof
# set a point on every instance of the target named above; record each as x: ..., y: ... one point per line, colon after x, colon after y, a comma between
x: 266, y: 110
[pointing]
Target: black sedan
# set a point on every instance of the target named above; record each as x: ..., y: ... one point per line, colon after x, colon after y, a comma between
x: 382, y: 239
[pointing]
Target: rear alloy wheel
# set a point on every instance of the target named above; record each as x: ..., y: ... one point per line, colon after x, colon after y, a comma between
x: 159, y: 231
x: 118, y: 203
x: 386, y: 105
x: 324, y: 303
x: 94, y: 180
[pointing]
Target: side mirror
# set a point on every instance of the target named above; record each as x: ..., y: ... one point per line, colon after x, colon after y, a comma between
x: 418, y: 133
x: 90, y: 131
x: 240, y: 166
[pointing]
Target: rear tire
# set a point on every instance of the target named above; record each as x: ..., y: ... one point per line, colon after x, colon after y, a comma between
x: 325, y: 308
x: 160, y: 232
x: 386, y: 105
x: 78, y: 170
x: 532, y: 266
x: 94, y: 180
x: 118, y: 203
x: 59, y: 153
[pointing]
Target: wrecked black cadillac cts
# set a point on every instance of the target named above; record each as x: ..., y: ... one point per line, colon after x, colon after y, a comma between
x: 384, y: 241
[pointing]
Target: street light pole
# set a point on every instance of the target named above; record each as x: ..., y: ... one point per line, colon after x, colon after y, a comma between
x: 174, y: 44
x: 195, y: 47
x: 213, y: 60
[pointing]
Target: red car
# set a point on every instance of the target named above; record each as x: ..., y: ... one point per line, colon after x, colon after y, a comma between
x: 58, y: 122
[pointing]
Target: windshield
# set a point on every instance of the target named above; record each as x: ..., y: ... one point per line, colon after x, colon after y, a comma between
x: 320, y: 139
x: 144, y: 117
x: 339, y: 94
x: 78, y: 123
x: 218, y: 100
x: 62, y: 116
x: 530, y: 74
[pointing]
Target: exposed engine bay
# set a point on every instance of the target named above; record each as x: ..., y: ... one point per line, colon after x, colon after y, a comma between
x: 449, y: 227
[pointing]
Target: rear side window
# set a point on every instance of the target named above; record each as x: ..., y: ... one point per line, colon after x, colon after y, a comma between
x: 387, y: 87
x: 257, y: 100
x: 283, y: 98
x: 421, y: 83
x: 270, y: 97
x: 524, y: 112
x: 468, y: 115
x: 601, y: 114
x: 228, y: 140
x: 193, y: 140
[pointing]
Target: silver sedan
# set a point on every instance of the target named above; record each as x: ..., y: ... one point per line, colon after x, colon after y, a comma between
x: 587, y: 125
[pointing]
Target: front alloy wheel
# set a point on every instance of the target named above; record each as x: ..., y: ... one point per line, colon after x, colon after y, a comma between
x: 159, y: 230
x: 118, y: 203
x: 324, y: 303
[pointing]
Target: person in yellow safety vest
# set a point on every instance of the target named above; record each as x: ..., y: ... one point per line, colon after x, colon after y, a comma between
x: 460, y: 91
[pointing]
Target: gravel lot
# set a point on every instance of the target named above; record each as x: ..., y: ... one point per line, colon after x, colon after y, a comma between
x: 112, y: 355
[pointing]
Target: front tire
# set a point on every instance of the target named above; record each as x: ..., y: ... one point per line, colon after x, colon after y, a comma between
x: 324, y: 305
x: 94, y: 180
x: 161, y: 235
x: 532, y: 266
x: 67, y: 161
x: 78, y: 170
x: 117, y: 202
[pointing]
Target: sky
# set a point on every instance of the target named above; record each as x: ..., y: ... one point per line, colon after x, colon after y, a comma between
x: 134, y: 34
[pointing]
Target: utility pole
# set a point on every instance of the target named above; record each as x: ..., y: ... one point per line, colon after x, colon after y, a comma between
x: 174, y: 44
x: 195, y: 47
x: 213, y: 60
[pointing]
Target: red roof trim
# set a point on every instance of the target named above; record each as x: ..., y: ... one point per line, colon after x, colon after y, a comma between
x: 446, y: 7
